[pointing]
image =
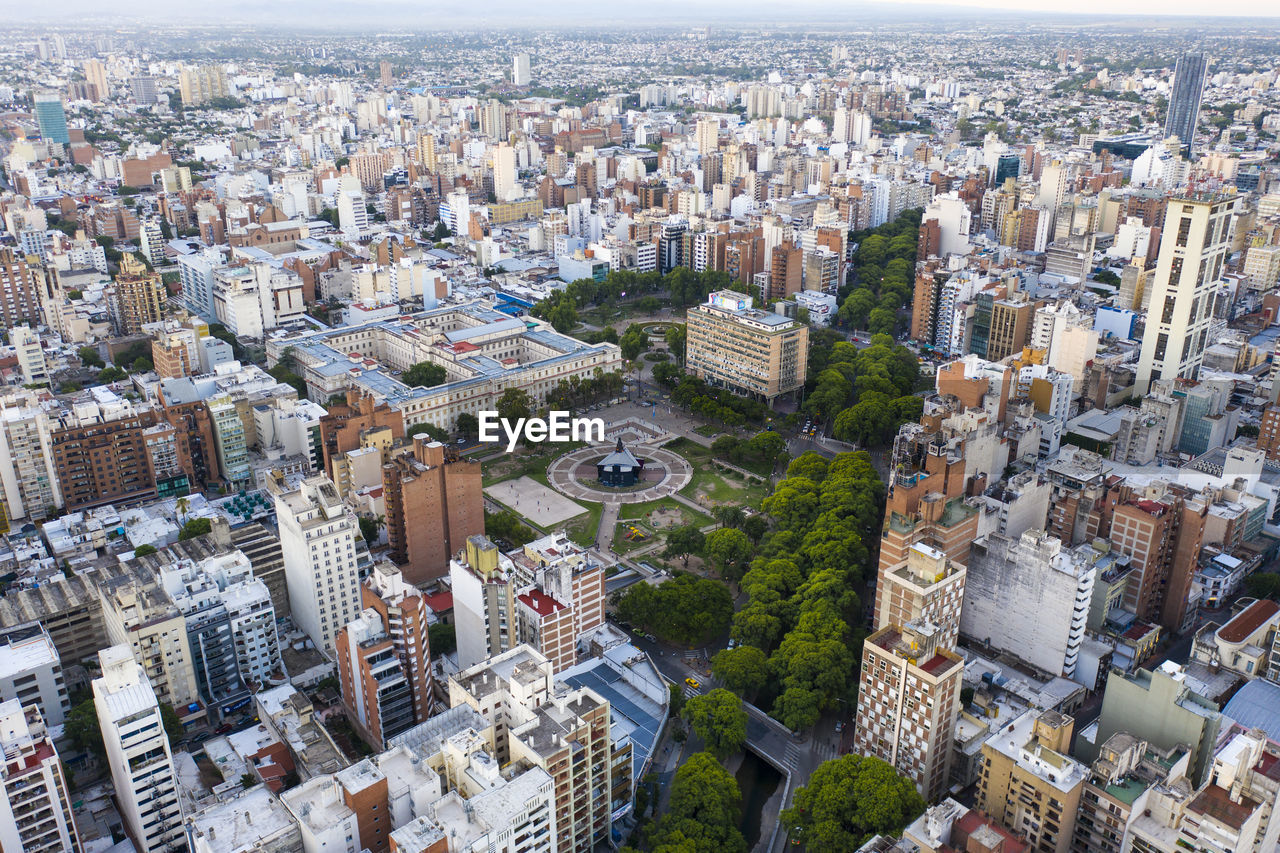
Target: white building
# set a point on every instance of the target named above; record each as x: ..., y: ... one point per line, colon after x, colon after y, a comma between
x: 1030, y: 597
x: 505, y: 176
x: 35, y: 810
x: 317, y: 538
x: 1193, y: 247
x: 520, y: 71
x: 253, y: 299
x: 138, y: 753
x: 31, y: 672
x: 953, y: 218
x: 29, y: 484
x: 26, y: 343
x: 353, y: 214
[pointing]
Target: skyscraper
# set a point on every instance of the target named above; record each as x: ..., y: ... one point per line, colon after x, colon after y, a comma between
x: 1184, y: 99
x: 51, y: 117
x: 137, y: 748
x: 1192, y: 252
x: 520, y: 74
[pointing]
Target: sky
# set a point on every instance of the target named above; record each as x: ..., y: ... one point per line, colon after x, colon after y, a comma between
x: 418, y: 13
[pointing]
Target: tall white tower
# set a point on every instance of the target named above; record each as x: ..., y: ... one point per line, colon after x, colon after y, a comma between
x: 520, y: 74
x: 138, y: 752
x: 1193, y: 248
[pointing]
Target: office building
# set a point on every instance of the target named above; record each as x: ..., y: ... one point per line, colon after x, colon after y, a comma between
x: 384, y: 658
x: 433, y: 503
x: 1184, y: 99
x: 561, y: 729
x: 1029, y: 597
x: 317, y: 537
x: 51, y: 117
x: 1193, y: 250
x: 1029, y: 783
x: 520, y: 71
x: 140, y: 297
x: 31, y: 672
x: 35, y: 800
x: 908, y: 701
x: 733, y: 345
x: 146, y: 787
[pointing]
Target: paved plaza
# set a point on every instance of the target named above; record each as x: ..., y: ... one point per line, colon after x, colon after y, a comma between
x: 544, y: 507
x: 574, y: 475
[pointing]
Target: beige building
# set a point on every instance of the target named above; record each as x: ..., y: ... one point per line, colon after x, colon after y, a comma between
x: 926, y: 588
x: 1029, y: 783
x: 732, y: 345
x: 560, y: 729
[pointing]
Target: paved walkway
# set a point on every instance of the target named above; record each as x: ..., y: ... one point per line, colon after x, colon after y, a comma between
x: 677, y: 473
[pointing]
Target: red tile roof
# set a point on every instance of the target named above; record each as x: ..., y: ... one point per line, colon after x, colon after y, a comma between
x: 1244, y: 623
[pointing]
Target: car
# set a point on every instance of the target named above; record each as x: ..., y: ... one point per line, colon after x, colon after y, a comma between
x: 839, y: 727
x: 693, y: 682
x: 733, y: 644
x: 650, y: 638
x: 462, y: 441
x: 223, y: 729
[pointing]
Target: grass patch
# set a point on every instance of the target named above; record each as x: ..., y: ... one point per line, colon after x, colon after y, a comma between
x: 708, y: 430
x: 526, y: 462
x: 725, y: 487
x: 701, y: 456
x: 582, y: 528
x: 635, y: 512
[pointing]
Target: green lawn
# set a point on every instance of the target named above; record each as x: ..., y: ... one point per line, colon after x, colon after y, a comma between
x: 622, y: 545
x: 637, y: 512
x: 526, y: 462
x: 709, y: 430
x: 725, y: 487
x: 582, y: 528
x: 700, y: 456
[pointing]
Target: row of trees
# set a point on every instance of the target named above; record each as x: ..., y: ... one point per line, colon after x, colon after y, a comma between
x: 700, y: 398
x: 685, y: 609
x: 797, y: 635
x: 764, y: 448
x: 682, y: 287
x: 849, y: 800
x: 883, y: 272
x: 867, y: 393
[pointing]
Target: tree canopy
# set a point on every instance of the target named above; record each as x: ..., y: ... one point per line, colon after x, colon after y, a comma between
x: 847, y: 801
x: 719, y: 719
x: 686, y: 609
x: 703, y: 812
x: 426, y: 374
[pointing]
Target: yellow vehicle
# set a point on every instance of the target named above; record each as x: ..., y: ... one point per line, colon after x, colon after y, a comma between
x: 692, y: 682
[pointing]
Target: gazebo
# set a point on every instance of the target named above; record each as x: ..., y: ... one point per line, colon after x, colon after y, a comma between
x: 620, y: 468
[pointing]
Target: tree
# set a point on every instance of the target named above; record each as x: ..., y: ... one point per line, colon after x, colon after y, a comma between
x: 182, y: 505
x: 193, y: 528
x: 684, y: 542
x: 144, y: 550
x: 436, y: 433
x: 675, y: 337
x: 847, y: 801
x: 633, y: 341
x: 718, y: 718
x: 442, y: 638
x: 108, y: 375
x: 1263, y: 585
x: 467, y: 425
x: 703, y: 812
x: 686, y: 609
x: 425, y: 374
x: 82, y: 728
x: 744, y: 669
x: 172, y: 724
x: 728, y: 550
x: 507, y: 525
x: 514, y: 405
x: 142, y: 364
x: 90, y: 357
x: 369, y: 527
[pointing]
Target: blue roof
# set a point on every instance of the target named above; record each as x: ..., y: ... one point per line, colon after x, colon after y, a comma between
x: 626, y: 704
x: 1257, y: 706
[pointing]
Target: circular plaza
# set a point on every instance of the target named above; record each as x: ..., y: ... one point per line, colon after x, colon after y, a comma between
x: 576, y: 474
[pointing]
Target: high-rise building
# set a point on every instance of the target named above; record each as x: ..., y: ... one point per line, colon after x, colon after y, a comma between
x: 1030, y: 597
x: 20, y: 286
x: 908, y: 701
x: 317, y: 537
x: 35, y: 804
x: 1193, y: 250
x: 384, y: 659
x: 733, y: 345
x: 1184, y: 99
x: 561, y: 729
x: 199, y: 84
x: 140, y: 296
x: 146, y: 786
x: 927, y: 587
x: 50, y: 116
x: 384, y: 74
x: 1162, y: 534
x: 1028, y: 781
x: 31, y: 362
x: 520, y: 71
x: 505, y: 176
x: 143, y: 88
x: 29, y: 486
x: 31, y: 672
x: 95, y: 74
x: 433, y: 503
x: 100, y: 451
